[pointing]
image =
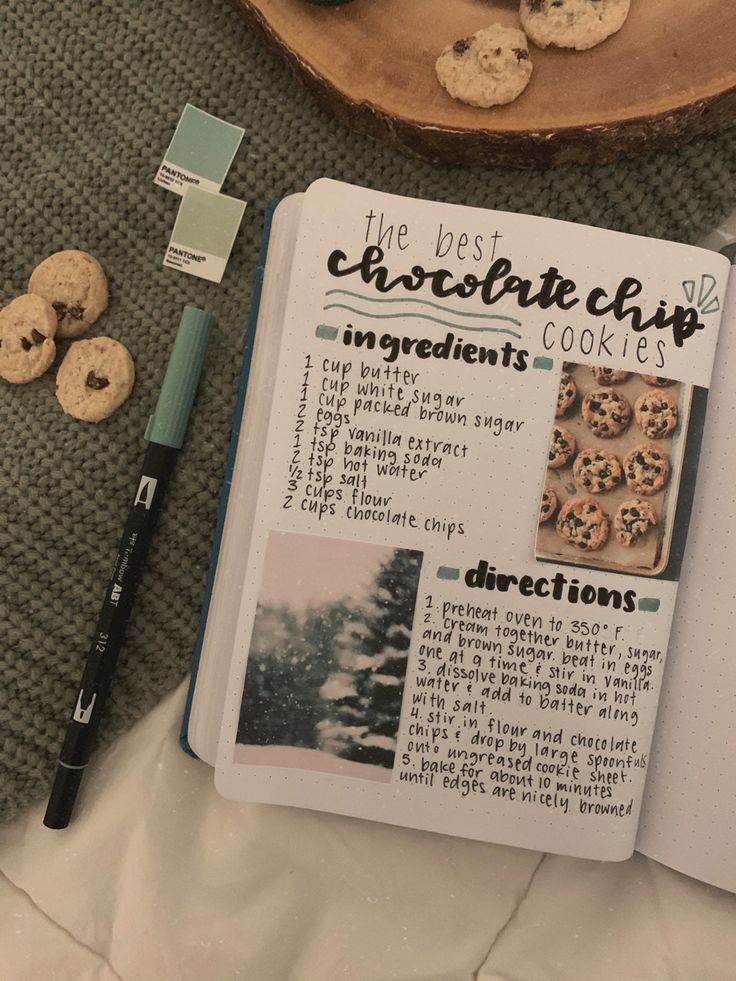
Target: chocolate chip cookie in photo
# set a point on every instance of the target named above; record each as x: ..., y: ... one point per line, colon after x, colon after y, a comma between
x: 614, y: 469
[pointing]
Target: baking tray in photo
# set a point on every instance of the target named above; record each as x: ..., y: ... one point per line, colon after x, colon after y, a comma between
x: 648, y: 556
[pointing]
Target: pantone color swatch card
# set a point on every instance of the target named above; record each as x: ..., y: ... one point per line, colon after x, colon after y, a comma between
x: 200, y: 152
x: 203, y: 234
x: 478, y: 476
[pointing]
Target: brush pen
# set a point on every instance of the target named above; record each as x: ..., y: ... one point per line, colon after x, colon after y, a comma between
x: 165, y: 435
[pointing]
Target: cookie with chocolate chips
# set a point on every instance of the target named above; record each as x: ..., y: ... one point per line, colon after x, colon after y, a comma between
x: 548, y: 504
x: 562, y: 448
x: 608, y: 376
x: 606, y: 412
x: 27, y: 329
x: 583, y: 523
x: 658, y: 381
x: 94, y: 379
x: 489, y: 68
x: 566, y: 395
x: 579, y: 24
x: 646, y: 469
x: 656, y: 413
x: 633, y: 519
x: 596, y: 471
x: 75, y: 285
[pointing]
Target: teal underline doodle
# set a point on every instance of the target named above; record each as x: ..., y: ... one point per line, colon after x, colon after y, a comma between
x: 426, y: 303
x: 420, y: 316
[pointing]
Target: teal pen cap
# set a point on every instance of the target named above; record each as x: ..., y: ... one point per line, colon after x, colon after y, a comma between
x: 169, y: 421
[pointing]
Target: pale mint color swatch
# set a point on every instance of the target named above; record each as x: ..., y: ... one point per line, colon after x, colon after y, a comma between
x: 204, y: 145
x: 208, y: 222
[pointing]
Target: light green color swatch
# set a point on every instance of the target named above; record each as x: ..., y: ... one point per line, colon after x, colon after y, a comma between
x: 204, y: 145
x: 208, y: 222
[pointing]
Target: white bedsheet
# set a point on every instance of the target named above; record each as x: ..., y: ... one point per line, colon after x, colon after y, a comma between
x: 158, y: 878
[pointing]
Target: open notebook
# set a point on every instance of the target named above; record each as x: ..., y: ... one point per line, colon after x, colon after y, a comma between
x: 464, y: 463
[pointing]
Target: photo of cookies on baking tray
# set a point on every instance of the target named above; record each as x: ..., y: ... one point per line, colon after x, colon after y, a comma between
x: 616, y: 463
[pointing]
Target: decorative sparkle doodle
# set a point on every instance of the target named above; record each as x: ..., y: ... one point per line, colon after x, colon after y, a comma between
x: 706, y: 301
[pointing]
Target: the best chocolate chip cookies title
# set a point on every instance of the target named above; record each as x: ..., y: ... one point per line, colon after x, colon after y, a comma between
x: 549, y: 290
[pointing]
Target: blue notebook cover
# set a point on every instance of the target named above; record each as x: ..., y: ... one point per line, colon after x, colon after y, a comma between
x: 229, y: 466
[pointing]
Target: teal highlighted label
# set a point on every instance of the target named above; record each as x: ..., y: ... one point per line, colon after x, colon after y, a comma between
x: 446, y: 572
x: 544, y: 364
x: 325, y: 332
x: 200, y: 152
x: 648, y: 604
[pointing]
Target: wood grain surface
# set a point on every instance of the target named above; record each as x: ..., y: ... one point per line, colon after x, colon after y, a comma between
x: 669, y: 75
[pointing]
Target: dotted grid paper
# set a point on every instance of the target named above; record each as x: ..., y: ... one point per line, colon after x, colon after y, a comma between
x: 689, y: 815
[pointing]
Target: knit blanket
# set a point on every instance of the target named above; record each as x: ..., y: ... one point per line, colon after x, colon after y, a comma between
x: 90, y: 93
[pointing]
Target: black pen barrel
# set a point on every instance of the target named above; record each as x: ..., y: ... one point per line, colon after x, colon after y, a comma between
x: 110, y: 630
x: 165, y: 435
x: 63, y: 795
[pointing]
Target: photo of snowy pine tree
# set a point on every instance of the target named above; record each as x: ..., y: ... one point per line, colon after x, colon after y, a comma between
x: 328, y: 654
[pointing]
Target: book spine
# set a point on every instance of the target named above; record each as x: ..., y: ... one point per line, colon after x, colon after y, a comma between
x: 229, y: 467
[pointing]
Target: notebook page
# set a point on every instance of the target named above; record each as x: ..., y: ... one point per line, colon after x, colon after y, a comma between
x: 410, y: 647
x: 688, y: 818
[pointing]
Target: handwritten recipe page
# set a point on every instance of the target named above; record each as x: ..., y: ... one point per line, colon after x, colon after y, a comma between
x: 470, y: 521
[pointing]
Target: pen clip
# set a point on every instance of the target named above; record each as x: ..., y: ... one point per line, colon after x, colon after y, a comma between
x: 83, y: 714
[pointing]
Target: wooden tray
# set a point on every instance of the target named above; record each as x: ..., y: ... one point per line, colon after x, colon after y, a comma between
x: 667, y: 76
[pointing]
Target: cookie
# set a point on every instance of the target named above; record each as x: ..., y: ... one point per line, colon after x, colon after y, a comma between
x: 608, y: 376
x: 656, y: 413
x: 596, y: 470
x: 94, y: 379
x: 27, y: 329
x: 632, y: 520
x: 606, y: 412
x: 583, y: 523
x: 566, y: 395
x: 489, y: 68
x: 76, y: 287
x: 562, y: 448
x: 579, y: 24
x: 646, y: 469
x: 548, y: 504
x: 658, y: 381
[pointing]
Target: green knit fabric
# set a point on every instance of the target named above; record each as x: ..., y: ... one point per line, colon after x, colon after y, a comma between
x: 90, y: 92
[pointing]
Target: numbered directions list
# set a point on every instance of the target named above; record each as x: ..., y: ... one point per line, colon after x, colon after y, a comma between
x: 418, y: 383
